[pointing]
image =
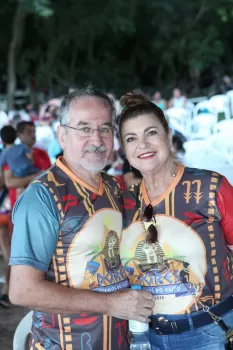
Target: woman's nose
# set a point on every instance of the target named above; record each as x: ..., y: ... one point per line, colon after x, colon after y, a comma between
x: 143, y: 143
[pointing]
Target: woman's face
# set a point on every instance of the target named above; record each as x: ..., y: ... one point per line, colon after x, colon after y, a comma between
x: 147, y: 145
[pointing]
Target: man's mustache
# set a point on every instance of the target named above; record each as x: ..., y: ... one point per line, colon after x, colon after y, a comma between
x: 94, y: 149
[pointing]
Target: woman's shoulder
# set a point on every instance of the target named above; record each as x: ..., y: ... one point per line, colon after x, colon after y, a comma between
x: 202, y: 174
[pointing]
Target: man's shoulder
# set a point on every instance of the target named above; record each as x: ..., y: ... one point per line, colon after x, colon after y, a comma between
x: 111, y: 181
x: 53, y: 177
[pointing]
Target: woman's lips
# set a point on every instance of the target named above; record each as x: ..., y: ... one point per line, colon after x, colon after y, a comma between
x: 146, y: 155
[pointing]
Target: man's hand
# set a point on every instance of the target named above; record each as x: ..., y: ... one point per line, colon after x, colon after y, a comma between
x: 130, y: 305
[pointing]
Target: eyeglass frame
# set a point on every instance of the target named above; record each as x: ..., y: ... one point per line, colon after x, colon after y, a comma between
x: 113, y: 128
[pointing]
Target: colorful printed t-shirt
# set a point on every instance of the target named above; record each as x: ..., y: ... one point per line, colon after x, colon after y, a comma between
x: 192, y: 256
x: 71, y: 231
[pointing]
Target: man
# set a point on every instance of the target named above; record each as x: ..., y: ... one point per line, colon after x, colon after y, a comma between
x: 26, y: 133
x: 65, y: 250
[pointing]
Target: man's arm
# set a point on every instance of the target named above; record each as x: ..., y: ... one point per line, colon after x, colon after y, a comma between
x: 29, y: 288
x: 16, y: 182
x: 36, y: 227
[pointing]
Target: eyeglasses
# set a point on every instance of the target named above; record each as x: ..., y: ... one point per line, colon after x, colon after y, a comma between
x: 86, y: 131
x: 152, y: 233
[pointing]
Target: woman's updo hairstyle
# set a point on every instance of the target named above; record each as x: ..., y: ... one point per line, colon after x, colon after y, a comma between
x: 135, y: 105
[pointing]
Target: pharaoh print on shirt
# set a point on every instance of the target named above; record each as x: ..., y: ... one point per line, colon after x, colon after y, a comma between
x: 175, y: 280
x: 94, y: 263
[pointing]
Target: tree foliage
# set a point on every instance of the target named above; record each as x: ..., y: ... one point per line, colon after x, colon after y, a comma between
x: 121, y: 45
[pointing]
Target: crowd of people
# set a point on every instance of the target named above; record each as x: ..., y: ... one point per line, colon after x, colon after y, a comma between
x: 82, y: 237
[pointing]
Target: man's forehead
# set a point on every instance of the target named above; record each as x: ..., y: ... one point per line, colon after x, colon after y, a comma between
x: 29, y: 127
x: 90, y: 108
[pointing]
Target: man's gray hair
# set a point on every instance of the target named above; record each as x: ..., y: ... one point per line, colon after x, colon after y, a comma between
x: 77, y: 94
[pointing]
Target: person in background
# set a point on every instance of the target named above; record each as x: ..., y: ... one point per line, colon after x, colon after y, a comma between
x: 178, y: 100
x: 177, y: 240
x: 226, y: 85
x: 54, y: 148
x: 18, y: 157
x: 159, y: 101
x: 5, y: 241
x: 65, y: 262
x: 26, y: 134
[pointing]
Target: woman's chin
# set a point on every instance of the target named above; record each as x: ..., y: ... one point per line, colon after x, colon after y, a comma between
x: 146, y: 168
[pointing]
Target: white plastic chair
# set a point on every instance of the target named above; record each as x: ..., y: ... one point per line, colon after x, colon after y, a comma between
x: 221, y: 104
x: 22, y: 332
x: 178, y: 116
x: 221, y: 144
x: 224, y: 126
x: 204, y: 107
x: 230, y: 95
x: 193, y: 150
x: 202, y: 125
x: 211, y: 161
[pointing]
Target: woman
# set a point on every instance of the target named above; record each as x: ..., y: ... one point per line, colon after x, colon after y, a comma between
x: 178, y: 100
x: 159, y: 101
x: 178, y: 235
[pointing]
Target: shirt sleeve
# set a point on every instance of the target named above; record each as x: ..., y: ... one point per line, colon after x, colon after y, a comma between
x: 2, y: 158
x: 36, y: 227
x: 225, y: 207
x: 24, y: 148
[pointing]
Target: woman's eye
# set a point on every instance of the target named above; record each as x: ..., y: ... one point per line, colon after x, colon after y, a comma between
x: 152, y: 132
x: 130, y: 139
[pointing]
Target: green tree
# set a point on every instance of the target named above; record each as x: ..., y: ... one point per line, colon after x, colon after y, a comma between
x: 23, y: 7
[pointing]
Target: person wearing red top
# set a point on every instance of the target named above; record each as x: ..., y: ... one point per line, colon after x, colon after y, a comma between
x: 26, y: 132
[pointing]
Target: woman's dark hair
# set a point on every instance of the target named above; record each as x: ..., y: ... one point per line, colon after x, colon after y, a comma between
x: 8, y: 134
x: 135, y: 105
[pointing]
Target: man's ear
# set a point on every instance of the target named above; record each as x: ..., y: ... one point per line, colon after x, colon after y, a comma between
x: 61, y: 136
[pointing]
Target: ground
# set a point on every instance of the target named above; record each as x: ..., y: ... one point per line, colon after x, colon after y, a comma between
x: 9, y: 320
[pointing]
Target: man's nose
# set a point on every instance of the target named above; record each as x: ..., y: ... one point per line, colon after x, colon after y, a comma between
x: 96, y: 137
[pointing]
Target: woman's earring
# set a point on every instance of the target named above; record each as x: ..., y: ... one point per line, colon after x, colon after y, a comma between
x: 132, y: 185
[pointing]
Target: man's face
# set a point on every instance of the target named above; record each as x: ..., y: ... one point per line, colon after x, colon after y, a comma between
x: 28, y: 136
x: 89, y: 152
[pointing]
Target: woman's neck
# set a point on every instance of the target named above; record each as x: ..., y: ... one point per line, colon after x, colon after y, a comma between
x: 157, y: 182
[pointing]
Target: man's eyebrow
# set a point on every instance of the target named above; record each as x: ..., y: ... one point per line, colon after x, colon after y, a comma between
x: 107, y: 124
x: 80, y: 123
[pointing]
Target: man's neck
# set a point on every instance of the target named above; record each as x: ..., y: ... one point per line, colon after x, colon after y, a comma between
x: 92, y: 179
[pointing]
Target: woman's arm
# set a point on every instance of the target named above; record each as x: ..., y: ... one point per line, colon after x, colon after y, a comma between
x: 225, y: 207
